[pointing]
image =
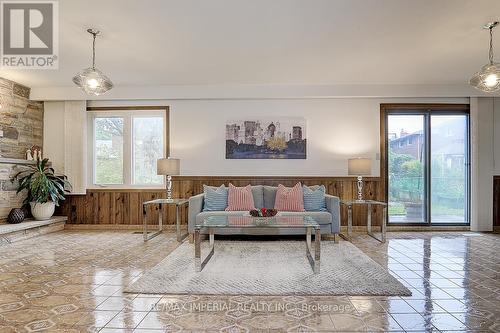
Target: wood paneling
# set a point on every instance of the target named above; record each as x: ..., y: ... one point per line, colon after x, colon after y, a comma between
x: 496, y: 201
x: 123, y: 207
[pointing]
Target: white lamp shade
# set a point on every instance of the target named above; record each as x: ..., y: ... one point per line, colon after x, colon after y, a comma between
x: 359, y: 166
x: 168, y: 166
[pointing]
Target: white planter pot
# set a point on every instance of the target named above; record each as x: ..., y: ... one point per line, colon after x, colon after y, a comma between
x: 42, y: 211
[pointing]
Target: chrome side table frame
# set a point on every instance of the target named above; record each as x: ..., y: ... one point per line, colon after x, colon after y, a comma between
x: 369, y: 204
x: 160, y: 202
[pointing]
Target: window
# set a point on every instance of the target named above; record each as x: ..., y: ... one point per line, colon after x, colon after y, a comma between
x: 126, y: 145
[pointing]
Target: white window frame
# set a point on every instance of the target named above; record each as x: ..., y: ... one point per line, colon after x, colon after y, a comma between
x: 128, y: 170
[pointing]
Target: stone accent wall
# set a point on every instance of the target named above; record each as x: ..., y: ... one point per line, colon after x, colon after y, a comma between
x: 21, y: 121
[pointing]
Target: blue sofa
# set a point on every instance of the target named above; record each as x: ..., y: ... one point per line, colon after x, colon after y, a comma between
x: 264, y: 197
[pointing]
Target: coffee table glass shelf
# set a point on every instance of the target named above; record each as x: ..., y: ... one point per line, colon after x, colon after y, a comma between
x: 260, y: 226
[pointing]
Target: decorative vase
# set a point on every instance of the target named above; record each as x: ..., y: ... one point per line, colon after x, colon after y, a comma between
x: 263, y: 212
x: 42, y: 211
x: 16, y: 215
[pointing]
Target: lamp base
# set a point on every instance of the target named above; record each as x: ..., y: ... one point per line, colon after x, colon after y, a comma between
x: 169, y: 189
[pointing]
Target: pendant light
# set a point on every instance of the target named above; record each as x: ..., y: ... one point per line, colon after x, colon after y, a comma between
x: 488, y: 78
x: 92, y: 80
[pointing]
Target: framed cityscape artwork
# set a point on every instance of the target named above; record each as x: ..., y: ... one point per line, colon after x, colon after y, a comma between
x: 266, y: 138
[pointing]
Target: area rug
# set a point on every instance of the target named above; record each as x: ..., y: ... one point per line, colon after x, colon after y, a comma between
x: 269, y: 268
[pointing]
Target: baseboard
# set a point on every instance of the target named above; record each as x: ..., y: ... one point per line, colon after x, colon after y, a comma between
x: 361, y: 229
x: 133, y: 227
x: 428, y: 228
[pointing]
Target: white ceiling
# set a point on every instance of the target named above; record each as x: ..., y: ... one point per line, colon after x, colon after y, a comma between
x: 302, y: 42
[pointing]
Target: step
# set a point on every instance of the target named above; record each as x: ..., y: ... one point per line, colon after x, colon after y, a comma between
x: 10, y: 233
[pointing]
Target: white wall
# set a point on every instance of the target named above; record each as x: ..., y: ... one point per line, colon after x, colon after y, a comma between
x: 65, y: 140
x: 337, y: 129
x: 53, y: 134
x: 482, y: 164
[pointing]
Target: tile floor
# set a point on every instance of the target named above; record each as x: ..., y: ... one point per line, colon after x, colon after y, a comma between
x: 72, y: 281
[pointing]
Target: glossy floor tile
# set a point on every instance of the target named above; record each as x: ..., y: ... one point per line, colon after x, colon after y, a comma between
x: 72, y: 281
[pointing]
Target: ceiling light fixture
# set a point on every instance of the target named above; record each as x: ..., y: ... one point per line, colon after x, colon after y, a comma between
x: 92, y: 80
x: 488, y: 78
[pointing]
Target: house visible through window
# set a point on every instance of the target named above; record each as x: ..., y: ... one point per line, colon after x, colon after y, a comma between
x: 125, y: 147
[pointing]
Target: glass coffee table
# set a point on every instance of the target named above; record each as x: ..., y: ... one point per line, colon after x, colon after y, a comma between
x: 260, y: 226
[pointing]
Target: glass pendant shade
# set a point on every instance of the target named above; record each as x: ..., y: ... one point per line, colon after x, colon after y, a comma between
x: 488, y: 78
x: 93, y: 81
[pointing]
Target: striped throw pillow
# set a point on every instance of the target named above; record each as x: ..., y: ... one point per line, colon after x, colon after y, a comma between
x: 215, y: 198
x: 289, y: 199
x: 314, y: 199
x: 240, y: 198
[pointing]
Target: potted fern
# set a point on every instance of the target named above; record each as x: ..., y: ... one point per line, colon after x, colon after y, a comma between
x: 44, y: 188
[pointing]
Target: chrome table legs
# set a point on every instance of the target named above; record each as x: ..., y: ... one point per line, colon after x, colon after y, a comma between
x: 199, y: 265
x: 313, y: 258
x: 314, y: 261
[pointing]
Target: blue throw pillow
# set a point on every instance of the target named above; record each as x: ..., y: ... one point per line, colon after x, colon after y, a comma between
x: 215, y: 198
x: 314, y: 200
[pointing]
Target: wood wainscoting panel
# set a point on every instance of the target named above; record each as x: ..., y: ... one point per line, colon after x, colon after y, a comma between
x: 124, y: 206
x: 496, y: 201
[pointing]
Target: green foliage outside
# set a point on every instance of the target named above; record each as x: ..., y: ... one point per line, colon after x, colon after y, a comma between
x: 147, y: 149
x: 398, y: 208
x: 407, y: 185
x: 108, y: 170
x: 406, y: 177
x: 109, y: 150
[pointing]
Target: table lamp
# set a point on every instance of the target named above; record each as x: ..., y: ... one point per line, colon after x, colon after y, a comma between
x: 359, y: 167
x: 168, y: 167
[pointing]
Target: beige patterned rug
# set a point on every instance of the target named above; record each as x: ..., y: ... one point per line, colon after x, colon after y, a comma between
x: 269, y: 268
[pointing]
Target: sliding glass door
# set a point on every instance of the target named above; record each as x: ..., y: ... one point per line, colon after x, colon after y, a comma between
x: 449, y: 168
x: 427, y: 166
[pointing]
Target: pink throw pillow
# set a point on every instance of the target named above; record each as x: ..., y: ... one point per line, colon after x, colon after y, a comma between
x: 240, y: 198
x: 289, y: 199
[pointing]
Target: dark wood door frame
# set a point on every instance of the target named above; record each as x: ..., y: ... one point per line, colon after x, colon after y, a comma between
x: 419, y: 108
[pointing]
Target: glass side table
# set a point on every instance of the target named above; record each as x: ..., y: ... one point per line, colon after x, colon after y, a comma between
x: 369, y: 203
x: 161, y: 202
